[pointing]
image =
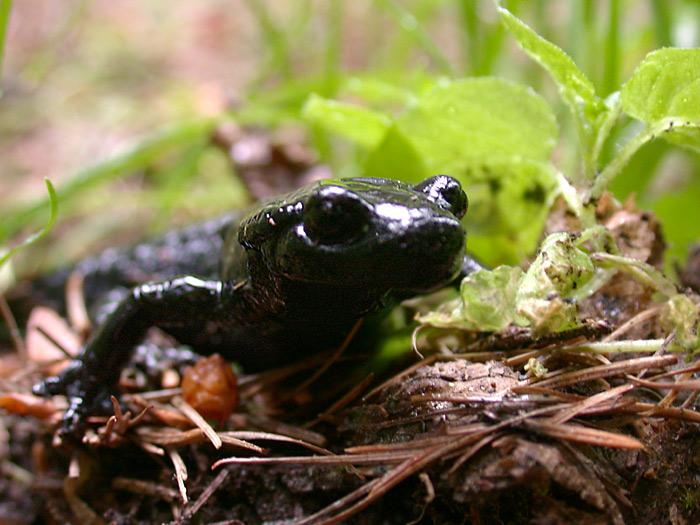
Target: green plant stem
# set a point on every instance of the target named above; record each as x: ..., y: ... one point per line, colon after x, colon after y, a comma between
x: 612, y: 49
x: 332, y: 58
x: 574, y: 202
x: 662, y: 22
x: 5, y: 7
x: 614, y: 105
x: 621, y: 347
x: 279, y: 59
x: 471, y: 37
x: 642, y: 271
x: 615, y: 166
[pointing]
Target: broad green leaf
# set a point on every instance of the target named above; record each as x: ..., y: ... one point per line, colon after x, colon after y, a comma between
x: 488, y: 298
x: 574, y: 87
x: 360, y: 125
x: 664, y: 93
x: 680, y: 315
x: 496, y: 137
x: 448, y: 315
x: 559, y: 269
x: 492, y: 300
x: 509, y: 200
x: 395, y: 158
x: 486, y: 304
x: 374, y: 90
x: 475, y: 118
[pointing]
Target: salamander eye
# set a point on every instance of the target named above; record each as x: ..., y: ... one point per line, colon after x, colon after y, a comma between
x: 446, y: 192
x: 332, y: 216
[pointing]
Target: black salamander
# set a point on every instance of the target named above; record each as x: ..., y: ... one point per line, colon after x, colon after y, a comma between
x: 294, y: 277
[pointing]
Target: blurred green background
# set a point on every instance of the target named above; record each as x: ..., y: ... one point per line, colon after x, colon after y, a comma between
x: 116, y: 101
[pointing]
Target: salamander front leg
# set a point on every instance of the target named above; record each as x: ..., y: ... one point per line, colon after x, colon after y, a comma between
x: 90, y: 379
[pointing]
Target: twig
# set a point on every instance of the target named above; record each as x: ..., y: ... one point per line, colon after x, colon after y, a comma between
x: 344, y: 400
x: 14, y: 329
x: 197, y: 419
x: 148, y: 488
x: 608, y: 370
x: 180, y: 472
x: 320, y: 371
x: 204, y: 496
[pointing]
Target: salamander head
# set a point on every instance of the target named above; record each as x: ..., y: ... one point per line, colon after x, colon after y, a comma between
x: 376, y: 233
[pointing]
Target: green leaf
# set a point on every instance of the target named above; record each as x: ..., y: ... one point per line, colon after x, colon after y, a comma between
x: 395, y: 158
x: 680, y: 315
x: 488, y: 298
x: 376, y: 91
x: 360, y: 125
x: 664, y: 93
x: 559, y: 269
x: 496, y: 137
x: 476, y: 118
x: 575, y: 88
x: 540, y: 297
x: 509, y: 200
x: 53, y: 202
x: 486, y: 302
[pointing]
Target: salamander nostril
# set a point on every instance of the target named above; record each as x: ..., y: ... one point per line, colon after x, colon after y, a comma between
x: 446, y: 192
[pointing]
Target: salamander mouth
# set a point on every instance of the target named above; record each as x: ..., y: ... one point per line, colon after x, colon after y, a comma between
x: 420, y: 256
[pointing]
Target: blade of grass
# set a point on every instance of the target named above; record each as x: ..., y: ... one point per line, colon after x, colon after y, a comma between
x: 662, y: 22
x: 279, y: 59
x: 611, y: 73
x: 582, y: 35
x: 53, y: 203
x: 333, y: 58
x: 408, y: 23
x: 481, y: 40
x: 5, y: 6
x: 471, y: 36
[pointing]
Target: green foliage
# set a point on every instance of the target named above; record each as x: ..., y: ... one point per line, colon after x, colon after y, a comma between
x: 664, y: 93
x: 679, y: 315
x: 457, y: 124
x: 497, y: 137
x: 362, y: 126
x: 12, y: 219
x: 558, y: 270
x: 587, y: 109
x: 539, y: 297
x: 487, y: 302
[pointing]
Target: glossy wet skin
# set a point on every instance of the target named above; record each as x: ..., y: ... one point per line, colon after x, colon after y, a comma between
x: 363, y: 231
x: 295, y: 276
